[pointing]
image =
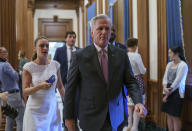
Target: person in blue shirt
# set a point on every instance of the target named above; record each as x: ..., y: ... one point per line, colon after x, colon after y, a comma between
x: 9, y: 83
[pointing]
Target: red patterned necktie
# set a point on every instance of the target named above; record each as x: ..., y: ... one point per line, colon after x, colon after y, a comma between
x: 104, y: 64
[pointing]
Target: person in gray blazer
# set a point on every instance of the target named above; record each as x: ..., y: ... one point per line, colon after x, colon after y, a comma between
x: 9, y: 82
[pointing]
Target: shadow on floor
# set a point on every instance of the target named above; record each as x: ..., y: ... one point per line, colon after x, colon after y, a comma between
x: 149, y: 126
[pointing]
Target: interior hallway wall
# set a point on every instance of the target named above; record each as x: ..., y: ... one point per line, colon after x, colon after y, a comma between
x: 134, y: 19
x: 80, y: 28
x: 62, y: 14
x: 24, y: 27
x: 153, y: 53
x: 187, y: 28
x: 118, y: 20
x: 8, y: 29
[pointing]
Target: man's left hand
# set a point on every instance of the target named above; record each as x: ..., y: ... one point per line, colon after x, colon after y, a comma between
x: 3, y: 96
x: 141, y: 110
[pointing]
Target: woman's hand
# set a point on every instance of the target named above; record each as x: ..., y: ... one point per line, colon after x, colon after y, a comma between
x: 166, y: 90
x: 44, y: 85
x: 141, y: 110
x: 165, y: 98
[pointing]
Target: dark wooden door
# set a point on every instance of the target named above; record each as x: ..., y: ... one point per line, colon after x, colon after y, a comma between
x: 54, y: 30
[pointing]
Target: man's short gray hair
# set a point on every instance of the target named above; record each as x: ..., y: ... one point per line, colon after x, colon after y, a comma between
x: 100, y: 16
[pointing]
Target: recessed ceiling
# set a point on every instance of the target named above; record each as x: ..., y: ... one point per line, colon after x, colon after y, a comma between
x: 57, y: 4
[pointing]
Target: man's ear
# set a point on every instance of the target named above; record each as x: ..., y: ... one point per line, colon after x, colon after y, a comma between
x: 92, y: 33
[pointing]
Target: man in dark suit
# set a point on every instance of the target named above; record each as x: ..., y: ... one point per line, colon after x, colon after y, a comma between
x: 64, y: 56
x: 113, y: 37
x: 119, y: 45
x: 100, y: 71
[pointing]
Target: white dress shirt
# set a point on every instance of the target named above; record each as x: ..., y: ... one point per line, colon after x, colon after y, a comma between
x: 136, y: 63
x: 69, y: 54
x: 113, y: 43
x: 99, y: 50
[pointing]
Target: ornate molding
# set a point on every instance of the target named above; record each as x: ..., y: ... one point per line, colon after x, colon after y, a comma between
x: 81, y: 3
x: 31, y: 5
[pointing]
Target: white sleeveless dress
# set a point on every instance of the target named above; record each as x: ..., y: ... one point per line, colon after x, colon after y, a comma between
x: 42, y: 113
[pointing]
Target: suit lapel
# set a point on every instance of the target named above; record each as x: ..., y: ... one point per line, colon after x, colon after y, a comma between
x: 95, y: 60
x: 65, y: 55
x: 110, y: 62
x: 77, y: 48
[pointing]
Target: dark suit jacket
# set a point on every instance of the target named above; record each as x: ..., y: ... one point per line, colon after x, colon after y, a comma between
x: 117, y: 44
x: 61, y: 57
x: 95, y: 94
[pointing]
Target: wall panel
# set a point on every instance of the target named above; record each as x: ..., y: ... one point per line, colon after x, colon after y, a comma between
x: 143, y: 37
x: 162, y: 55
x: 61, y: 14
x: 187, y: 30
x: 118, y: 20
x: 24, y: 26
x: 8, y: 28
x: 54, y: 30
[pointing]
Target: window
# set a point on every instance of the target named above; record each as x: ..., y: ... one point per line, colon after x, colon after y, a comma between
x: 53, y: 45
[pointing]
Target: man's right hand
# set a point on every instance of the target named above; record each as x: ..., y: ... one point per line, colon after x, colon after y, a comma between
x: 44, y: 85
x: 70, y: 124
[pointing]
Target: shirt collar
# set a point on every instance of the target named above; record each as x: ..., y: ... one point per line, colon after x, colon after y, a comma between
x: 68, y: 47
x: 113, y: 43
x: 99, y: 48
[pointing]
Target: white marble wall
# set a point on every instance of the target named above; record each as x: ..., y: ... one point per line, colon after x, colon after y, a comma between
x: 153, y: 36
x: 135, y: 23
x: 64, y: 14
x: 80, y: 28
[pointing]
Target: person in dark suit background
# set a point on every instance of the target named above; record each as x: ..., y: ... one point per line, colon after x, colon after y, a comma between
x: 64, y: 55
x: 113, y: 42
x: 113, y: 37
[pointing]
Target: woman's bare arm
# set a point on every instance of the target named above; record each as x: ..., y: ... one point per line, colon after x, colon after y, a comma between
x: 60, y: 85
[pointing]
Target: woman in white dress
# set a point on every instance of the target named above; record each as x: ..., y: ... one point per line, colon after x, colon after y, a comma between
x: 138, y: 70
x: 42, y: 113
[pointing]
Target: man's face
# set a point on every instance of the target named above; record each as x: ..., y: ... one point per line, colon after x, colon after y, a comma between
x: 70, y: 40
x: 101, y: 32
x: 4, y: 54
x: 113, y: 35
